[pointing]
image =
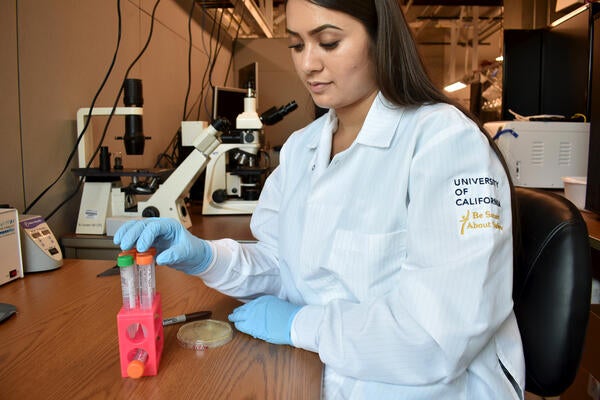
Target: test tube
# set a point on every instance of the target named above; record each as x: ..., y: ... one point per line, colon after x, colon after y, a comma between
x: 128, y: 274
x: 131, y: 252
x: 135, y: 368
x: 147, y: 279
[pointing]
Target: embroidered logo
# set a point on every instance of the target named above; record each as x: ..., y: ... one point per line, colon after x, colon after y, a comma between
x: 480, y: 220
x: 475, y: 191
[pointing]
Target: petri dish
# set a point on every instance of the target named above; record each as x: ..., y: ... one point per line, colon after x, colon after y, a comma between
x: 204, y: 334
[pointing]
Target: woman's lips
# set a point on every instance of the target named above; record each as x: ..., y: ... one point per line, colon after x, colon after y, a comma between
x: 318, y: 87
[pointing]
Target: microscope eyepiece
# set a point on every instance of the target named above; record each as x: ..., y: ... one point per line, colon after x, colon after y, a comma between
x: 221, y: 124
x: 132, y: 95
x: 133, y: 138
x: 274, y: 115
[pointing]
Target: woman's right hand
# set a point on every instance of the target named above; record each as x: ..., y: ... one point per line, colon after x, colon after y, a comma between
x: 175, y: 245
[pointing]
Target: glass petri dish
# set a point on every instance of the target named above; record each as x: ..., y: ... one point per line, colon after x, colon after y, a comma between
x: 204, y: 334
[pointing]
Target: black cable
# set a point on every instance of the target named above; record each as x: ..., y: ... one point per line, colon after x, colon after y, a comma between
x: 200, y: 99
x: 87, y: 122
x: 202, y: 24
x: 189, y: 76
x: 173, y: 144
x: 233, y: 45
x: 234, y: 39
x: 218, y: 47
x: 206, y: 70
x: 106, y: 125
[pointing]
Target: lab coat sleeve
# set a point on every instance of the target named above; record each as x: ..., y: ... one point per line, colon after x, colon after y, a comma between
x: 249, y: 270
x: 456, y: 280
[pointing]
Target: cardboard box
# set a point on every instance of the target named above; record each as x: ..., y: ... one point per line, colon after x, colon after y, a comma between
x: 11, y: 264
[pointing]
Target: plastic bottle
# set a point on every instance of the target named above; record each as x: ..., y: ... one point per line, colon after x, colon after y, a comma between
x: 135, y: 368
x: 128, y: 272
x: 147, y: 279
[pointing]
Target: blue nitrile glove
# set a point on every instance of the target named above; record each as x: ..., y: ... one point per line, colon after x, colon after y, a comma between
x: 175, y: 245
x: 268, y: 318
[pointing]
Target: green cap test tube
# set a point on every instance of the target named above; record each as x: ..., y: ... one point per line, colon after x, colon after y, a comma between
x: 128, y: 272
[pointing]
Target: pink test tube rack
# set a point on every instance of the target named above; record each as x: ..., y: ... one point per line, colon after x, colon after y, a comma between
x: 141, y: 329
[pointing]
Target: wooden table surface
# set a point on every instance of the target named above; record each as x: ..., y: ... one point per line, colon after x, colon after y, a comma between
x: 592, y: 221
x: 212, y: 227
x: 62, y: 344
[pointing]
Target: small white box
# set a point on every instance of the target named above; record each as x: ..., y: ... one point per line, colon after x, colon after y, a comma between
x: 538, y: 154
x: 575, y: 188
x: 11, y: 263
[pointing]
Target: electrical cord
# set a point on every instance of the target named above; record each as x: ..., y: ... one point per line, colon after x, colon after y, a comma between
x: 173, y: 157
x: 206, y: 75
x: 85, y: 127
x: 176, y: 139
x: 173, y: 144
x: 208, y: 52
x: 212, y: 64
x: 233, y: 45
x: 218, y: 47
x: 106, y: 125
x: 203, y: 19
x: 189, y: 61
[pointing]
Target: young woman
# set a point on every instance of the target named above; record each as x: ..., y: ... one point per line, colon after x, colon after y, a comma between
x: 385, y: 234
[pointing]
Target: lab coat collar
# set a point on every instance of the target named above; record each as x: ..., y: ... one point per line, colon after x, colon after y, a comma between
x: 379, y: 126
x: 327, y: 121
x: 381, y: 122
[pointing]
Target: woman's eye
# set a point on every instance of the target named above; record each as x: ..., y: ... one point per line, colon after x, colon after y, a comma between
x: 296, y: 47
x: 330, y: 45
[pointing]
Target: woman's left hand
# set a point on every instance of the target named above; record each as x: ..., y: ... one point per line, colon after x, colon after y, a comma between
x: 268, y: 318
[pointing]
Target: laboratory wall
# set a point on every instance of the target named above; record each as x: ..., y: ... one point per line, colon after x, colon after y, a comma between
x: 10, y: 154
x: 54, y: 57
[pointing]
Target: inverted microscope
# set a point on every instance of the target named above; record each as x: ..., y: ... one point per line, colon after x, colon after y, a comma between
x: 230, y: 157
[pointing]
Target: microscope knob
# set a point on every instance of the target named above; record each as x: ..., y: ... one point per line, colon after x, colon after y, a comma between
x: 249, y: 138
x: 151, y: 211
x: 219, y: 196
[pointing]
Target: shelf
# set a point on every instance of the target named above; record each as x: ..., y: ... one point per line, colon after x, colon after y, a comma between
x: 246, y: 18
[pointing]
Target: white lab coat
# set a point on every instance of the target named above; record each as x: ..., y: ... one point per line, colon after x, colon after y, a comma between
x: 401, y: 250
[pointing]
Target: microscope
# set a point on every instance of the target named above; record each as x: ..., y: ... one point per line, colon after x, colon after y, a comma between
x: 234, y: 175
x: 99, y: 183
x: 230, y: 157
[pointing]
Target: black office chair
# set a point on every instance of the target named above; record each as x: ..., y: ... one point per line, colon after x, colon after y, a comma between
x: 551, y: 290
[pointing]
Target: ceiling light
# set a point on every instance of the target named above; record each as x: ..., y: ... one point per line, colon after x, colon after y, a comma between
x: 455, y: 86
x: 569, y: 15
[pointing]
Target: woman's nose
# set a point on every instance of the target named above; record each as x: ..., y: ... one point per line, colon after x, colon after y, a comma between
x: 311, y: 60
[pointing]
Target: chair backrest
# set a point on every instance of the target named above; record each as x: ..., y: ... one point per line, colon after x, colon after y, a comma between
x: 551, y: 289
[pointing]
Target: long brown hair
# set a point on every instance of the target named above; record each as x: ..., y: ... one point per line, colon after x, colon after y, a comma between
x: 400, y: 73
